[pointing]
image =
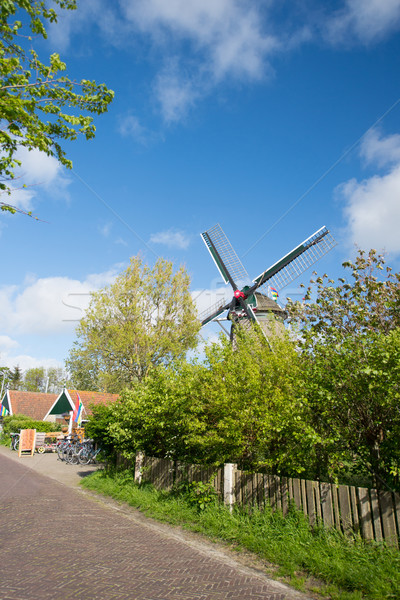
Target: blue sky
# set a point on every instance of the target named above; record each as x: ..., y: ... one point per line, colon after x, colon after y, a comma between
x: 271, y: 118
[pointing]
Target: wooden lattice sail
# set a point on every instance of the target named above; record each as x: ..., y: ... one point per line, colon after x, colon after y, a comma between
x: 249, y: 303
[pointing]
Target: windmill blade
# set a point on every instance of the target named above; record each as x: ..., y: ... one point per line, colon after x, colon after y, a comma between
x: 214, y: 311
x: 297, y: 261
x: 224, y: 256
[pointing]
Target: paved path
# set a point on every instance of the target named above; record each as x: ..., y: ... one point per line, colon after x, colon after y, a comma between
x: 58, y: 542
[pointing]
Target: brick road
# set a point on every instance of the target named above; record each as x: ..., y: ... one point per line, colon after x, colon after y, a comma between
x: 57, y: 542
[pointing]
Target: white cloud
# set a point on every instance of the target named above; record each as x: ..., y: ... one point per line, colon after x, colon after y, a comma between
x: 372, y: 206
x: 98, y: 280
x: 48, y: 306
x: 130, y: 126
x: 208, y: 299
x: 41, y: 174
x: 121, y: 242
x: 25, y: 361
x: 105, y: 229
x: 228, y: 32
x: 198, y: 45
x: 72, y: 22
x: 222, y: 39
x: 208, y: 335
x: 19, y: 197
x: 208, y: 41
x: 364, y: 20
x: 37, y: 167
x: 6, y: 343
x: 170, y: 238
x: 373, y: 211
x: 175, y: 95
x: 380, y: 151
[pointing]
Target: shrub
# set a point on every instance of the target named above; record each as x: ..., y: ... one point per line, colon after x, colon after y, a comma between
x: 14, y: 423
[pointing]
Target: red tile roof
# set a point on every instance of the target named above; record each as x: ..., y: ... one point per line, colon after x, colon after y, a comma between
x: 94, y: 398
x: 32, y: 404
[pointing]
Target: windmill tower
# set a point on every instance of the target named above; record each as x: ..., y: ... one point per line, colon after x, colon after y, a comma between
x: 250, y: 303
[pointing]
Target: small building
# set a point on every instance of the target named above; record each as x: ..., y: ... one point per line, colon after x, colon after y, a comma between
x: 66, y: 401
x: 31, y: 404
x: 52, y: 407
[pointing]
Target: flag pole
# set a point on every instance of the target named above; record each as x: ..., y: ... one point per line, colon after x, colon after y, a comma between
x: 70, y: 422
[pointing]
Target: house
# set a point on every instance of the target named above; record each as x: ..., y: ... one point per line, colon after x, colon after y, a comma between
x: 52, y: 407
x: 31, y: 404
x: 66, y: 401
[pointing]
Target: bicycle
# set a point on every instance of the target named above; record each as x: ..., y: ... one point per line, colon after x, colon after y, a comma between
x: 63, y: 447
x: 71, y: 455
x: 88, y: 454
x: 14, y: 444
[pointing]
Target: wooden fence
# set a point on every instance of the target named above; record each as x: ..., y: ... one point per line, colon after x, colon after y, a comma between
x: 373, y: 514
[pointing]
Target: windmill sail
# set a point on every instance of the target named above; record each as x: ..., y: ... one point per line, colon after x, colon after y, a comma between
x: 225, y: 258
x: 241, y: 306
x: 213, y: 311
x: 297, y: 261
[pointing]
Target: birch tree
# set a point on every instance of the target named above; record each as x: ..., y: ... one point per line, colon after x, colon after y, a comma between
x: 145, y: 318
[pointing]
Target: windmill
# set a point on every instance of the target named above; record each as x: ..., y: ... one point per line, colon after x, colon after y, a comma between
x: 249, y: 303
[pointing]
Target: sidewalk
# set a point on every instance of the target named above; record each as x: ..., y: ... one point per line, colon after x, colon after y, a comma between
x: 59, y: 541
x: 47, y: 464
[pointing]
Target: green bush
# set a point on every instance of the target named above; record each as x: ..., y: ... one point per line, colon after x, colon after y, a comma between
x: 14, y: 423
x: 4, y: 439
x: 197, y: 493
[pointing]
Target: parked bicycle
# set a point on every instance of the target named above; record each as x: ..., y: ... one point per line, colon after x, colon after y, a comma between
x: 14, y: 444
x: 63, y: 447
x: 88, y: 453
x: 72, y: 453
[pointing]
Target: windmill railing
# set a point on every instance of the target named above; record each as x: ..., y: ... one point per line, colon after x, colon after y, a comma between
x: 372, y: 514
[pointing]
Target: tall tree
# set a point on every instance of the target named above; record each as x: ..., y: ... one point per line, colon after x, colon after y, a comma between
x: 5, y: 378
x: 56, y: 379
x: 16, y: 378
x: 39, y: 103
x: 350, y: 340
x: 146, y: 318
x: 34, y: 380
x: 42, y: 379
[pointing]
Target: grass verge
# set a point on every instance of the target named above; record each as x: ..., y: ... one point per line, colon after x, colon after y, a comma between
x: 325, y: 563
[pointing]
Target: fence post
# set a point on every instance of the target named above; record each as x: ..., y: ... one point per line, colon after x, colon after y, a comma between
x: 229, y: 484
x: 138, y: 466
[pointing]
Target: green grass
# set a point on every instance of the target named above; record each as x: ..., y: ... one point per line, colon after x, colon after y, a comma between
x: 314, y: 560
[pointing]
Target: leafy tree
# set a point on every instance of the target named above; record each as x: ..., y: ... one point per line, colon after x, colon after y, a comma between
x: 39, y: 379
x: 237, y: 405
x: 144, y: 319
x: 57, y: 379
x: 365, y: 303
x: 39, y: 104
x: 5, y: 377
x: 16, y: 378
x: 34, y: 380
x: 98, y: 428
x: 350, y: 341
